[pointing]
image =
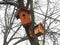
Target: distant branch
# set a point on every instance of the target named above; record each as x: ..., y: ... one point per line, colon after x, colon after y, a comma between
x: 14, y: 34
x: 10, y: 3
x: 48, y: 16
x: 22, y: 39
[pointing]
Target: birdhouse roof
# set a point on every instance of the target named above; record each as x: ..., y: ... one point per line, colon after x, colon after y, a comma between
x: 24, y: 9
x: 39, y: 24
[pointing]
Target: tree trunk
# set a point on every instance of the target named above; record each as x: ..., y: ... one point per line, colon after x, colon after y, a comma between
x: 5, y: 38
x: 5, y: 43
x: 21, y: 3
x: 33, y: 40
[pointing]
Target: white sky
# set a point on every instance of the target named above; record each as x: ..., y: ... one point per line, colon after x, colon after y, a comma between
x: 22, y: 32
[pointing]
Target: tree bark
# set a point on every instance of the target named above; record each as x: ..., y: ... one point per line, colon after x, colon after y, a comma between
x: 5, y: 43
x: 33, y: 40
x: 21, y: 3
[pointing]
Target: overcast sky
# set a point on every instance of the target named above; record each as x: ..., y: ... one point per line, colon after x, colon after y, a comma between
x: 37, y: 20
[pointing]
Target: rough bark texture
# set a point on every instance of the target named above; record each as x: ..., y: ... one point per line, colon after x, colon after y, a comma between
x: 33, y: 40
x: 20, y: 3
x: 5, y: 43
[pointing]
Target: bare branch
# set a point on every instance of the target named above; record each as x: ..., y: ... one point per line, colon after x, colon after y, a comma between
x: 22, y: 39
x: 14, y: 34
x: 10, y: 3
x: 48, y: 16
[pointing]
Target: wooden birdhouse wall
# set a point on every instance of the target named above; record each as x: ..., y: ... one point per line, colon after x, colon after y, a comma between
x: 39, y: 30
x: 24, y: 15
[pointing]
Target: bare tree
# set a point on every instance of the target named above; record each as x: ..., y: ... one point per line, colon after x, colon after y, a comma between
x: 52, y: 10
x: 49, y: 12
x: 9, y: 23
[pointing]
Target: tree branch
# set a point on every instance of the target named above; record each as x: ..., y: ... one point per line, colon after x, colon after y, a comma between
x: 22, y: 39
x: 48, y: 16
x: 14, y: 34
x: 10, y: 3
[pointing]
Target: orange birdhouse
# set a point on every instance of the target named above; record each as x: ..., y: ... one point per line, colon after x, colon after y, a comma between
x: 39, y: 29
x: 24, y: 16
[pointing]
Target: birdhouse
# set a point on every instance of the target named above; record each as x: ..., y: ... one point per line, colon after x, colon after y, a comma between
x: 39, y: 29
x: 24, y: 16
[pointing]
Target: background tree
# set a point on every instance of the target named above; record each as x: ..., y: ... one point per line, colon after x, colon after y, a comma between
x: 45, y: 11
